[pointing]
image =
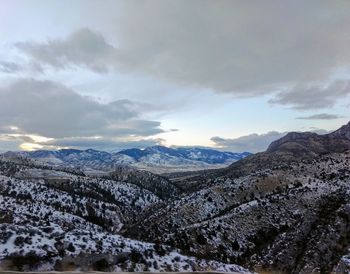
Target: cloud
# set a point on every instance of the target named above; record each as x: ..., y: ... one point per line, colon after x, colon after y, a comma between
x: 104, y: 143
x: 8, y: 143
x: 14, y: 141
x: 83, y: 47
x: 304, y: 97
x: 319, y: 130
x: 49, y: 109
x: 321, y: 116
x: 10, y: 67
x: 251, y: 143
x: 244, y: 48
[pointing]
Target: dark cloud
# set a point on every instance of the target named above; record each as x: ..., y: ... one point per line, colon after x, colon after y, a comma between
x: 83, y: 47
x: 321, y: 116
x: 52, y: 110
x: 8, y: 129
x: 304, y: 97
x: 10, y: 67
x: 20, y: 138
x: 246, y: 48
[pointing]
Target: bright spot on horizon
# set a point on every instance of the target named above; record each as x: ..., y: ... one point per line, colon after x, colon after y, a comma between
x: 30, y: 146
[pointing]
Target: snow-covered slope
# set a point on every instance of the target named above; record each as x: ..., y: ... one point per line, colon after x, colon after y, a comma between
x: 292, y: 218
x: 56, y: 220
x: 205, y: 155
x: 157, y: 159
x: 284, y: 211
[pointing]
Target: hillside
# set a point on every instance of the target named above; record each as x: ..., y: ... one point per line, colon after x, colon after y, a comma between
x: 293, y: 220
x: 283, y: 210
x: 56, y: 220
x: 292, y: 148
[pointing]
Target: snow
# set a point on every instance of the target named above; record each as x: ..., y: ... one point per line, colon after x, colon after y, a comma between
x: 49, y: 210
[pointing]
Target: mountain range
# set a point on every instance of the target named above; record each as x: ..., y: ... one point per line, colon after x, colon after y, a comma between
x: 158, y: 159
x: 285, y: 210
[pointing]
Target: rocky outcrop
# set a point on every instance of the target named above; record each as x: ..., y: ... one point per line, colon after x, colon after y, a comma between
x: 311, y: 144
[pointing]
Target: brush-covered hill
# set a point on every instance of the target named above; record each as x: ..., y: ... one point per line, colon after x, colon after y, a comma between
x: 293, y: 219
x: 286, y: 209
x: 54, y: 219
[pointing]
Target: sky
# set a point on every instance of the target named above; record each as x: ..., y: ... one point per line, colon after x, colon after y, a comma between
x: 110, y: 75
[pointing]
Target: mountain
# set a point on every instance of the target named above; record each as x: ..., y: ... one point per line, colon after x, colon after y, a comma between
x: 285, y: 210
x: 278, y: 220
x: 292, y: 148
x: 312, y: 144
x: 209, y: 156
x: 53, y: 219
x: 158, y: 159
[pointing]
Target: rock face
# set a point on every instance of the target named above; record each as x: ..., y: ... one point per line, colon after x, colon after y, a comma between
x: 312, y: 144
x: 292, y: 148
x: 299, y: 143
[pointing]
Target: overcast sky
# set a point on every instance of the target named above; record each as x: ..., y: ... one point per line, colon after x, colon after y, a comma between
x: 109, y: 75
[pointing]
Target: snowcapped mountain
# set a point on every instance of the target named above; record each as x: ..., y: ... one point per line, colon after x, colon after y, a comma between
x: 206, y: 155
x: 158, y: 159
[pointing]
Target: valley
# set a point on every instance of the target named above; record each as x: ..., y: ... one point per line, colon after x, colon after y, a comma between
x: 285, y: 210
